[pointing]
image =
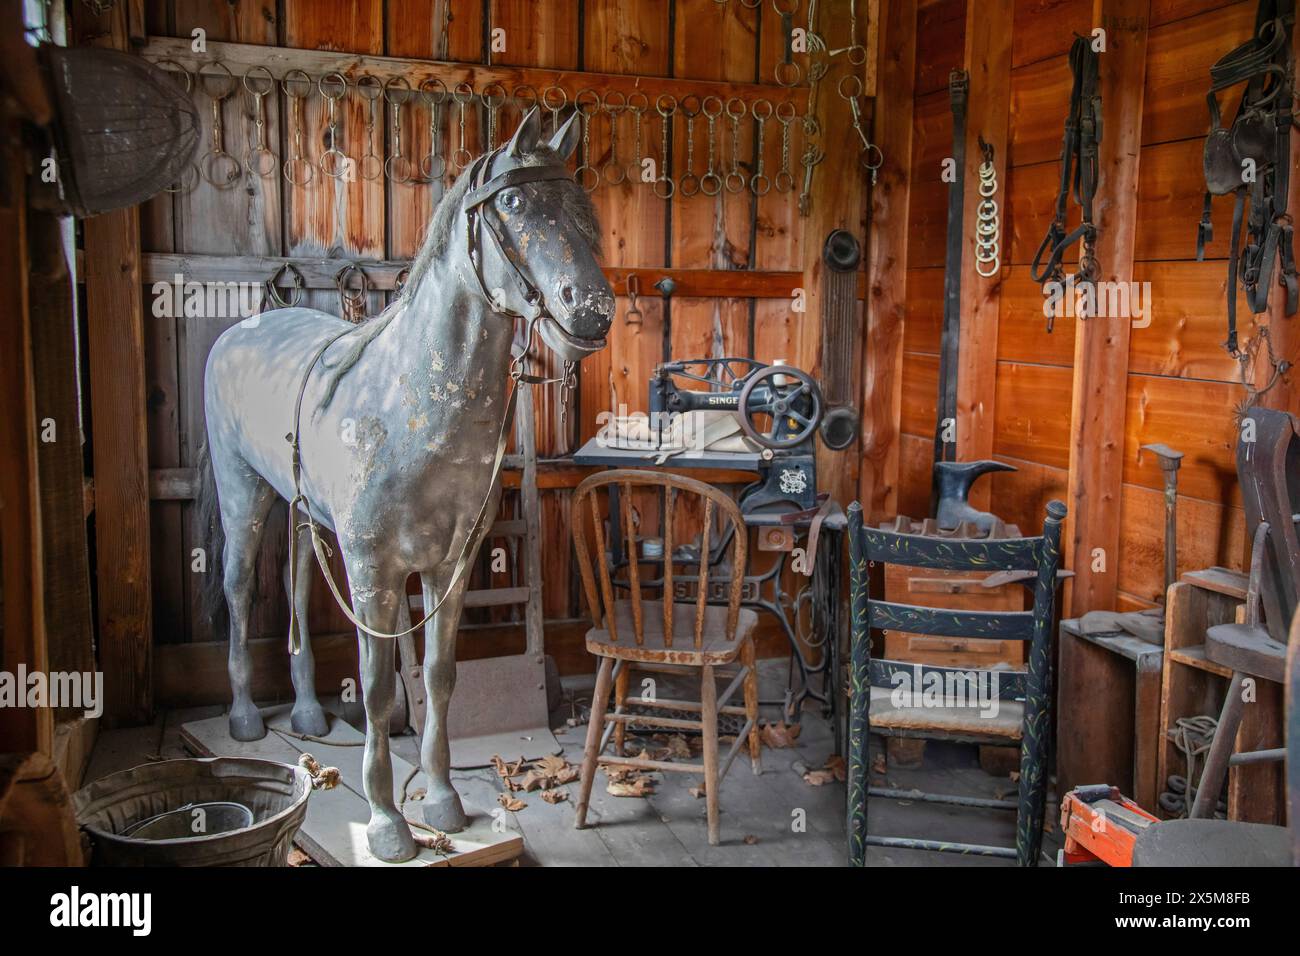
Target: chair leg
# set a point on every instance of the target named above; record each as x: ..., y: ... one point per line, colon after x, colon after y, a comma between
x: 1216, y: 764
x: 751, y: 707
x: 620, y: 694
x: 595, y: 728
x: 709, y: 717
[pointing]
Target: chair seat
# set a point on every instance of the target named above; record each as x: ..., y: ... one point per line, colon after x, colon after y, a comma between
x: 716, y: 648
x: 1212, y: 843
x: 1247, y: 649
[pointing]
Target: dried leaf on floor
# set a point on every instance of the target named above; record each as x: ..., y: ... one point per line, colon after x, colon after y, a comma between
x: 697, y: 792
x: 435, y: 840
x: 678, y: 747
x: 532, y: 780
x: 298, y: 858
x: 779, y: 735
x: 513, y: 804
x: 750, y: 839
x: 833, y: 769
x: 555, y: 796
x: 878, y: 764
x: 627, y: 782
x: 550, y: 765
x: 507, y: 770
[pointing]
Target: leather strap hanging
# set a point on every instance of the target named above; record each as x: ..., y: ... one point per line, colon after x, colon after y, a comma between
x: 1078, y: 175
x: 958, y: 93
x: 1251, y: 158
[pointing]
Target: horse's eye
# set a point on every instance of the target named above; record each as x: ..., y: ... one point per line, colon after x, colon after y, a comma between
x: 512, y: 200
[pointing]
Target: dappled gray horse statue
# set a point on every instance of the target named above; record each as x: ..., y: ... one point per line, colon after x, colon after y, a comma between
x: 399, y: 424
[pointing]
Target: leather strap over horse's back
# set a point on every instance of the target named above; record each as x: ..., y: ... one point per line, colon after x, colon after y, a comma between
x: 1251, y: 158
x: 1083, y: 131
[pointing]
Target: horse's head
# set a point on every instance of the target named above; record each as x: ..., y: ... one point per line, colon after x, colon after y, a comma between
x: 542, y: 263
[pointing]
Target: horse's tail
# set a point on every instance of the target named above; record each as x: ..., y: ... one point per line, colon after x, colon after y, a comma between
x: 212, y: 538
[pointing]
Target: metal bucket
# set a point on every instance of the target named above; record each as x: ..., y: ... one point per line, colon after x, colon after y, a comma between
x: 247, y: 810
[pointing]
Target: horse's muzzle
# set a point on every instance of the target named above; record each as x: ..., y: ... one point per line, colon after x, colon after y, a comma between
x: 566, y: 345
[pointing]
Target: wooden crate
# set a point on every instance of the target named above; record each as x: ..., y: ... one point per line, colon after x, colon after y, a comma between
x: 1194, y: 686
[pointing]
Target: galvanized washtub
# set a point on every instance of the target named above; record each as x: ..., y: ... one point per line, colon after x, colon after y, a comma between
x: 120, y: 810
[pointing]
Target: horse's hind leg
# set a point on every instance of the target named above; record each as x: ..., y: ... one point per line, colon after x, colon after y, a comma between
x: 245, y: 499
x: 442, y: 806
x: 307, y: 716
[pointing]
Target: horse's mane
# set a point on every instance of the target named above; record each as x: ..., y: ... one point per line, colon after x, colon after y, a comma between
x: 575, y: 206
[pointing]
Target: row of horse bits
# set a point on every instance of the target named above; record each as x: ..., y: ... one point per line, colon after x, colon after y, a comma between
x: 219, y: 168
x: 988, y: 253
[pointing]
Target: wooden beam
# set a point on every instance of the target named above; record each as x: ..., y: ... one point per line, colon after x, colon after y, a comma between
x: 839, y: 201
x: 23, y: 639
x: 1101, y: 345
x: 68, y: 615
x: 320, y: 273
x: 886, y: 308
x: 115, y: 324
x: 240, y: 57
x: 988, y: 61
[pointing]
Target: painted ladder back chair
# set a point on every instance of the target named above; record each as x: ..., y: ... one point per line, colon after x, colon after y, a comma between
x: 654, y: 630
x: 1039, y: 555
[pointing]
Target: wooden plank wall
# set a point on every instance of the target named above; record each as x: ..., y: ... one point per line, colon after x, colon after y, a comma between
x: 1180, y: 386
x: 691, y: 39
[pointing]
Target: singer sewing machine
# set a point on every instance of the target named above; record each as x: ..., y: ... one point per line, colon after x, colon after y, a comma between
x: 777, y: 408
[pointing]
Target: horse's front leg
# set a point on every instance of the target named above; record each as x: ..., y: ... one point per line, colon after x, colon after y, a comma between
x: 307, y: 716
x: 442, y: 807
x: 375, y: 602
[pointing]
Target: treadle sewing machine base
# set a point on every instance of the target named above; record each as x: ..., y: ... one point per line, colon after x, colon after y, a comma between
x: 819, y: 530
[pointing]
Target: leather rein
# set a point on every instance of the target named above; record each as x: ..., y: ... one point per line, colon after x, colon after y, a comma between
x: 482, y: 189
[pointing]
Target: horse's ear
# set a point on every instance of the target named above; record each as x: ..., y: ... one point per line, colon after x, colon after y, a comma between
x: 527, y: 135
x: 565, y: 140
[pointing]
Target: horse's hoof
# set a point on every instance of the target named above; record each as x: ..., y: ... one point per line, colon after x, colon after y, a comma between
x: 247, y: 724
x: 309, y: 719
x: 390, y: 839
x: 445, y: 814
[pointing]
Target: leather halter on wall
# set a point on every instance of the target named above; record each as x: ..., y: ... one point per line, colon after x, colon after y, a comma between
x: 1078, y: 175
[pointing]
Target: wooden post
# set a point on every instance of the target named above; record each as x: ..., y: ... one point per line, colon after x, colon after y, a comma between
x: 1102, y: 342
x: 886, y: 303
x: 839, y: 197
x: 63, y: 516
x: 115, y: 345
x: 22, y: 729
x: 988, y: 61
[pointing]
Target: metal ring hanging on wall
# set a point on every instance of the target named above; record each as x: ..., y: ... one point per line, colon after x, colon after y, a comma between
x: 988, y: 239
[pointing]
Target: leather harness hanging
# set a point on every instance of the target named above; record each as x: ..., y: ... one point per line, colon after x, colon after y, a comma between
x: 481, y: 190
x: 950, y: 340
x: 1078, y: 176
x: 1252, y: 158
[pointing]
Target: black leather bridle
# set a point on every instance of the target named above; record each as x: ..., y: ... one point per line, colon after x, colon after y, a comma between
x: 481, y: 191
x: 1078, y: 176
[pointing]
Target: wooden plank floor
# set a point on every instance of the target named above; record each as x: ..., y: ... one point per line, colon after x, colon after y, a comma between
x: 760, y: 814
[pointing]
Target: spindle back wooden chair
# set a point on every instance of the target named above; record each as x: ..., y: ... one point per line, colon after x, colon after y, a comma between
x: 660, y: 633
